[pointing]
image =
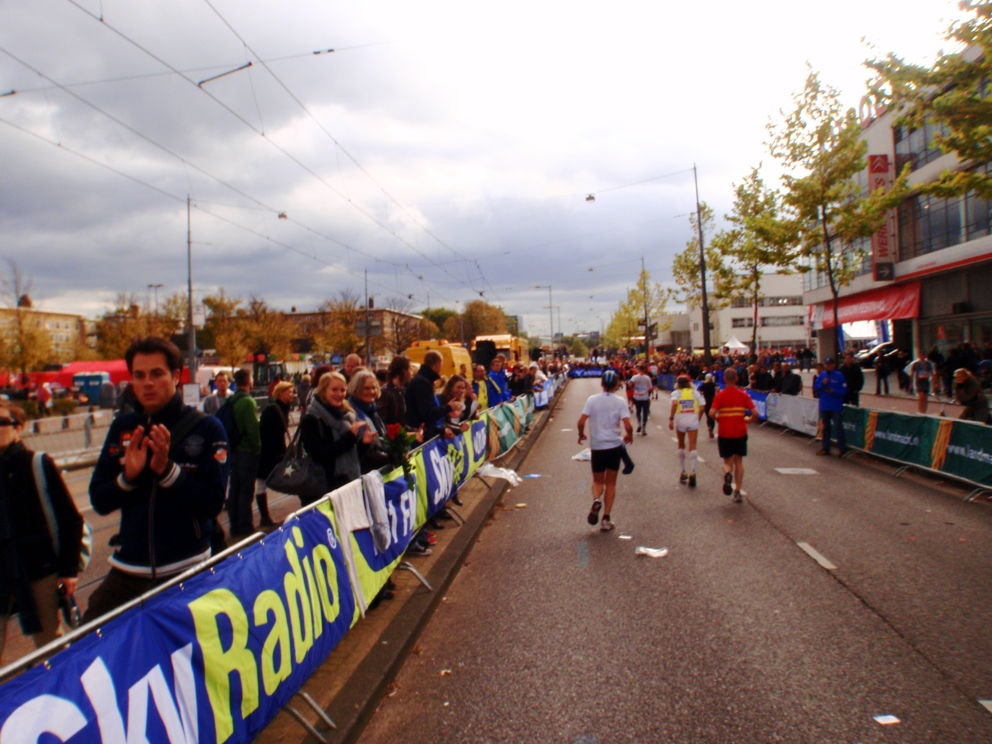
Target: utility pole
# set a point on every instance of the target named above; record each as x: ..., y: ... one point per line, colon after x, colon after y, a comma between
x: 702, y: 273
x: 191, y: 330
x: 647, y: 327
x: 368, y: 329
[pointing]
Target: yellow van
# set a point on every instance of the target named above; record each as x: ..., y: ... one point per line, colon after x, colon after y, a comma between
x: 453, y: 356
x: 509, y: 346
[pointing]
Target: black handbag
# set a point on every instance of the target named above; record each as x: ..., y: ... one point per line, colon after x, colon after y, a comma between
x: 298, y: 474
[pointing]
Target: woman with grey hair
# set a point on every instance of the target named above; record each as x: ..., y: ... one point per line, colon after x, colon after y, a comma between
x: 363, y: 392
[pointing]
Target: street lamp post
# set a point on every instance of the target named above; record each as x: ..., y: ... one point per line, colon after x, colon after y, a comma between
x: 156, y: 288
x: 551, y: 312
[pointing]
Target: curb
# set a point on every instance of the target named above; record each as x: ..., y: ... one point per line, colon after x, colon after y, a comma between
x: 354, y: 707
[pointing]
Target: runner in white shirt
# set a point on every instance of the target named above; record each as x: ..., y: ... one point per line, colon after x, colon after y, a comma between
x: 642, y: 398
x: 687, y: 408
x: 605, y: 413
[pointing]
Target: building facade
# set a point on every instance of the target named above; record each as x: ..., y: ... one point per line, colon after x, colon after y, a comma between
x: 929, y: 270
x: 782, y: 317
x: 66, y: 332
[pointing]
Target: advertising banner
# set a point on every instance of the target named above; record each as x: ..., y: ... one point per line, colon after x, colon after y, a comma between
x: 908, y: 439
x: 854, y: 421
x: 895, y: 302
x: 211, y: 661
x: 967, y: 452
x: 794, y: 412
x: 760, y: 401
x: 582, y: 372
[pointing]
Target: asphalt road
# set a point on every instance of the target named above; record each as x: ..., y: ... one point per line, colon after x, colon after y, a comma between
x: 554, y: 632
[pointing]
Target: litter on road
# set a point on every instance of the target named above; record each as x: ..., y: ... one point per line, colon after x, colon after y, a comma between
x: 506, y: 474
x: 987, y: 704
x: 533, y: 475
x: 796, y: 471
x: 886, y: 720
x: 651, y: 552
x: 521, y: 506
x: 584, y: 456
x: 445, y: 672
x: 566, y: 430
x: 626, y: 537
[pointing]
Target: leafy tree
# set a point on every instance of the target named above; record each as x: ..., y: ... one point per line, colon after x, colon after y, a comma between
x: 722, y: 284
x: 24, y: 344
x: 126, y: 320
x: 228, y: 327
x: 269, y: 331
x: 755, y: 241
x: 439, y: 315
x: 951, y: 98
x: 820, y: 148
x: 339, y: 316
x: 575, y: 346
x: 483, y: 319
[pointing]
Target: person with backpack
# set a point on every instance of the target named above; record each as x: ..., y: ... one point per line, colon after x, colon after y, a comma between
x: 41, y: 535
x: 164, y: 467
x: 239, y: 416
x: 273, y: 428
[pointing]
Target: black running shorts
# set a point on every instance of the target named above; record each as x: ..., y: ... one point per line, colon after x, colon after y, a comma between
x: 608, y: 459
x: 730, y: 446
x: 923, y: 386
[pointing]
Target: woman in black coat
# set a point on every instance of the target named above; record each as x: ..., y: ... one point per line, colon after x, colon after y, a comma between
x: 273, y: 428
x: 31, y: 568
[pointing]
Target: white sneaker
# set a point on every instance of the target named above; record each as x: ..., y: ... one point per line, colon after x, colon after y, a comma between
x: 606, y: 525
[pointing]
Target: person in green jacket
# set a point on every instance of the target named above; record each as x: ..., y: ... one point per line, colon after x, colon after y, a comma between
x: 244, y: 456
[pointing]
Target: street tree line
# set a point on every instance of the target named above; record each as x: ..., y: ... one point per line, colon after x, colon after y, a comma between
x: 818, y: 216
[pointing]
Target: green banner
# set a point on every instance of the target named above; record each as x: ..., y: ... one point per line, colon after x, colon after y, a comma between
x: 905, y: 438
x: 508, y: 422
x: 968, y: 453
x: 854, y: 422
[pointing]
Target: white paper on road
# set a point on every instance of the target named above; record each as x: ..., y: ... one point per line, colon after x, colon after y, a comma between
x: 987, y: 704
x: 651, y: 552
x: 886, y: 720
x: 566, y: 429
x: 506, y: 474
x: 796, y: 471
x: 626, y: 537
x: 584, y: 456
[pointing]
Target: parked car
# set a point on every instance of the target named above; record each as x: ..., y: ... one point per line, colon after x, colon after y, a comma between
x: 889, y: 351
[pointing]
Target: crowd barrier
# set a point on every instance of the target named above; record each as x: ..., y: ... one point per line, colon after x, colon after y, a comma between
x: 216, y: 656
x: 543, y: 396
x: 959, y: 449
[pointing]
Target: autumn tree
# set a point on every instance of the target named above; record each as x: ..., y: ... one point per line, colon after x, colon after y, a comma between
x: 819, y: 146
x: 269, y: 331
x: 755, y: 241
x: 483, y: 319
x: 340, y: 316
x: 951, y: 100
x: 721, y: 281
x: 24, y: 344
x: 228, y: 327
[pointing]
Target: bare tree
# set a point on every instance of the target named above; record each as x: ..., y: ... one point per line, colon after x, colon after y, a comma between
x: 24, y: 344
x: 403, y: 327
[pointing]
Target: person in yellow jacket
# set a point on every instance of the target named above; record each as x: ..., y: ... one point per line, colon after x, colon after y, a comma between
x: 687, y: 409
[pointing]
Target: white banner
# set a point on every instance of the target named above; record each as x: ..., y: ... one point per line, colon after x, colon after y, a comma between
x: 794, y: 412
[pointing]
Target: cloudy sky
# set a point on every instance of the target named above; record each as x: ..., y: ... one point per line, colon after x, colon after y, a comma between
x: 445, y: 147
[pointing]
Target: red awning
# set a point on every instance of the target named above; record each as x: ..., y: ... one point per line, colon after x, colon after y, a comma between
x: 896, y: 302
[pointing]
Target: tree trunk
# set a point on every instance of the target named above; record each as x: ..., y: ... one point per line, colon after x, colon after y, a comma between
x: 834, y: 290
x: 754, y: 332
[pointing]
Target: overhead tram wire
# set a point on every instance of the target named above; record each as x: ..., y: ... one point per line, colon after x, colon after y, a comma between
x: 333, y: 139
x: 154, y: 143
x: 147, y: 75
x: 253, y: 128
x: 182, y: 200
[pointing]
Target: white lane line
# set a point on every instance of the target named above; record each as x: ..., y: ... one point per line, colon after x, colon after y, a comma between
x: 987, y: 704
x: 796, y: 471
x: 817, y: 556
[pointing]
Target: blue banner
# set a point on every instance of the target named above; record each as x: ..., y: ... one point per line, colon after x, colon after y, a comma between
x: 210, y: 661
x: 583, y: 372
x: 760, y: 400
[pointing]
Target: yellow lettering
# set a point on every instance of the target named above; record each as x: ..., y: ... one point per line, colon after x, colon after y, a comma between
x: 219, y: 663
x: 318, y: 618
x: 269, y: 602
x: 300, y: 611
x: 327, y: 582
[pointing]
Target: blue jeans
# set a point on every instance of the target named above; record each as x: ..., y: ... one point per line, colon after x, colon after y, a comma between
x: 833, y: 419
x: 643, y: 408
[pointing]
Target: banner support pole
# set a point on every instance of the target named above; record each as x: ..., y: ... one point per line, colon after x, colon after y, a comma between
x: 407, y: 566
x: 305, y: 724
x: 308, y: 699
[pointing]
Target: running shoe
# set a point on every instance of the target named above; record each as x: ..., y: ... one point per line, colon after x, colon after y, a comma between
x: 431, y: 538
x: 416, y: 549
x: 737, y: 497
x: 728, y: 478
x: 597, y: 505
x: 684, y: 477
x: 692, y: 480
x: 607, y: 525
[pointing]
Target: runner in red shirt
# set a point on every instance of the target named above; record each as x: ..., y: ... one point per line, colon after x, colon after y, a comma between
x: 733, y: 410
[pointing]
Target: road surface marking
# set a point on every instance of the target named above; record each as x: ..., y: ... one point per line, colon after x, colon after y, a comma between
x: 796, y: 471
x: 886, y: 720
x: 816, y: 556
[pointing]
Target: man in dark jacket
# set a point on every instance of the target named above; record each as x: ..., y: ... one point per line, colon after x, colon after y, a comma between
x: 246, y: 445
x: 422, y: 406
x: 854, y: 378
x: 792, y: 384
x: 164, y: 466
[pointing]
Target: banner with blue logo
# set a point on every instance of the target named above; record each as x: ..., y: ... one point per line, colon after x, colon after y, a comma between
x: 585, y: 372
x: 211, y: 661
